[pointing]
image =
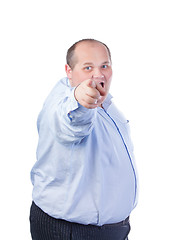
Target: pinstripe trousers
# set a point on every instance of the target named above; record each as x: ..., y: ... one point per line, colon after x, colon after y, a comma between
x: 44, y: 227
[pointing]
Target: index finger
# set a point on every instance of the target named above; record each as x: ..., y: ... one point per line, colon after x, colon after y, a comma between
x: 91, y: 83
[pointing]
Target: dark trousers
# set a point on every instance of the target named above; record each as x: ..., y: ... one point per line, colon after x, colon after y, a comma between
x: 44, y: 227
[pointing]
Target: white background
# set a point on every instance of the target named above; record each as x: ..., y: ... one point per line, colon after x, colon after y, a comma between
x: 146, y: 41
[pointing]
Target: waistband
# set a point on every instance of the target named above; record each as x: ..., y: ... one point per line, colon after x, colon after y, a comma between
x: 47, y: 227
x: 39, y: 211
x: 122, y: 223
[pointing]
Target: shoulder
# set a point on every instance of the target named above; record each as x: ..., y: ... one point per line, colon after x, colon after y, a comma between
x: 61, y: 89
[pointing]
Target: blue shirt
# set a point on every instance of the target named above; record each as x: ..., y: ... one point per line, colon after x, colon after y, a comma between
x: 85, y: 170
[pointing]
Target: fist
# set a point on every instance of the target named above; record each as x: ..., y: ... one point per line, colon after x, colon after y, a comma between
x: 89, y: 94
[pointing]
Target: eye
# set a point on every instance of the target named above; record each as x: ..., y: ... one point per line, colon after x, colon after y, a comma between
x: 104, y: 66
x: 88, y: 68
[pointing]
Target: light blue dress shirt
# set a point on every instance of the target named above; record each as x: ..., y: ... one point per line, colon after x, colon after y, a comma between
x: 85, y: 170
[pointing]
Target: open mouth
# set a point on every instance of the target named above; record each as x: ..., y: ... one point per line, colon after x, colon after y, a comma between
x: 102, y: 84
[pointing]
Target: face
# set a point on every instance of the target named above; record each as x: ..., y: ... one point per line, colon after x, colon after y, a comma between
x: 92, y: 62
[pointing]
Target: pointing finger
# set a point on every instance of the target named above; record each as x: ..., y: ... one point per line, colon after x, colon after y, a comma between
x: 91, y: 84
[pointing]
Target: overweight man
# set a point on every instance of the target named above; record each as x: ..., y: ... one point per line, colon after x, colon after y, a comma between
x: 84, y: 179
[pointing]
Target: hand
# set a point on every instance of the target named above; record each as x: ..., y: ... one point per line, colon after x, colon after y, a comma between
x: 89, y: 94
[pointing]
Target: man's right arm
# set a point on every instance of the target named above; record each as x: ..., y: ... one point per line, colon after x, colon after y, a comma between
x: 71, y: 117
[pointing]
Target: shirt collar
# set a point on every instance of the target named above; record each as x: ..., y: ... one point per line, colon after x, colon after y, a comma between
x: 107, y: 102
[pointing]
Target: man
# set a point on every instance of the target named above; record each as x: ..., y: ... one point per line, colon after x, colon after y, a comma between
x: 84, y: 180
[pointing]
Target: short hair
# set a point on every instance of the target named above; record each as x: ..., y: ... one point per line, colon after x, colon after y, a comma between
x: 70, y: 52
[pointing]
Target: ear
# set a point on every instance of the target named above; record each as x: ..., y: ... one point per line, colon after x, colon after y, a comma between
x: 68, y: 71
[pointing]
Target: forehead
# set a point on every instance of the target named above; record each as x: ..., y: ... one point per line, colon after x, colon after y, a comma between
x: 91, y: 51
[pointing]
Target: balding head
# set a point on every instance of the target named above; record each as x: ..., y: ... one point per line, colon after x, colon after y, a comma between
x: 72, y: 57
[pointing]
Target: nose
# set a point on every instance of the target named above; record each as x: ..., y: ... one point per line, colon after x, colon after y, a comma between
x: 97, y: 74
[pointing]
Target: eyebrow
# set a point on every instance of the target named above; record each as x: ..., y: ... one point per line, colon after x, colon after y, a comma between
x: 106, y: 62
x: 90, y: 63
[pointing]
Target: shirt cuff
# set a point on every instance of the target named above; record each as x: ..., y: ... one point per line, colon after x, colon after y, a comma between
x: 74, y: 108
x: 73, y: 103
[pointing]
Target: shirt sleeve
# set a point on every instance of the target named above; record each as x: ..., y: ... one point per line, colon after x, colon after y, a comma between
x: 68, y: 120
